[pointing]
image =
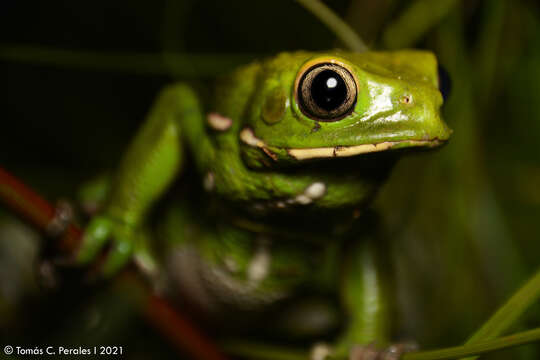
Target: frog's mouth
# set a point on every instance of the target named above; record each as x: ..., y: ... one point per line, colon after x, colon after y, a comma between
x: 276, y: 154
x: 353, y: 150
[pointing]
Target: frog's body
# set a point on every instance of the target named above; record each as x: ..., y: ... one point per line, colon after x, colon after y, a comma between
x: 283, y: 153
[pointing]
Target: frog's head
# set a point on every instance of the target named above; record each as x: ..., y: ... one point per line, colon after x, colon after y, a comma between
x: 319, y: 130
x: 319, y: 106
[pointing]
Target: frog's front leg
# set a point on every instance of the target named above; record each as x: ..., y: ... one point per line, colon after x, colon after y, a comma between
x: 149, y: 166
x: 365, y: 296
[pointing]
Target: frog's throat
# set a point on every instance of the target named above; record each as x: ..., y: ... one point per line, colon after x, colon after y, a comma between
x: 247, y: 136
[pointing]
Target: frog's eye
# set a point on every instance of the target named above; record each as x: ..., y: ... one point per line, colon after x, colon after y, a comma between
x: 326, y: 92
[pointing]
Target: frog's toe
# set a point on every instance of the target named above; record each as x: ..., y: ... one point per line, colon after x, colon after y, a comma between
x: 364, y: 352
x: 118, y: 256
x: 99, y: 232
x: 392, y: 352
x: 93, y: 240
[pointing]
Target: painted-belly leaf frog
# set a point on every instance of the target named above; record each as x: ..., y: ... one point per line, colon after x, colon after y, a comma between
x: 275, y: 170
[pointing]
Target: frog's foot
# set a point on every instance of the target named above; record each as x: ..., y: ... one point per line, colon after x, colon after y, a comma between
x: 370, y: 352
x: 102, y: 230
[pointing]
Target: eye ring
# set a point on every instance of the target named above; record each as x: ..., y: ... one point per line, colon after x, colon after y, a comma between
x: 326, y: 91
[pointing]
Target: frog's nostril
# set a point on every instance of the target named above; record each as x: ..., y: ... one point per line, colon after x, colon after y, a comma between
x: 406, y: 99
x: 445, y: 83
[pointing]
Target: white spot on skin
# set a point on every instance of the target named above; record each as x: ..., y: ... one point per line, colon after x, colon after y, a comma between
x: 312, y: 192
x: 247, y: 136
x: 320, y: 351
x: 259, y: 266
x: 315, y: 190
x: 209, y: 181
x: 303, y: 199
x: 218, y: 122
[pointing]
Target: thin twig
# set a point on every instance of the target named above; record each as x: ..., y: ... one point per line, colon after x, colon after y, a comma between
x: 34, y: 209
x: 477, y: 348
x: 342, y: 30
x: 180, y: 331
x: 186, y: 65
x: 265, y: 352
x: 415, y: 21
x: 507, y: 314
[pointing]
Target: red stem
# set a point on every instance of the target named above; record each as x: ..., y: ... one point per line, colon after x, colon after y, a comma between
x: 179, y: 330
x: 33, y: 208
x: 25, y: 202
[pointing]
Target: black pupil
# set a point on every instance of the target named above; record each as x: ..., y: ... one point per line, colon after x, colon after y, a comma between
x: 328, y: 90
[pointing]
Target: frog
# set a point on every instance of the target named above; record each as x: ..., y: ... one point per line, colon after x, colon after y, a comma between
x: 254, y: 196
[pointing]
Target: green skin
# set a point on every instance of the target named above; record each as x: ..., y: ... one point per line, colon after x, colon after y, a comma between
x: 265, y: 231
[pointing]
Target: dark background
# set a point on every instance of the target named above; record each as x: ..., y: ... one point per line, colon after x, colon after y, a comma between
x: 465, y: 220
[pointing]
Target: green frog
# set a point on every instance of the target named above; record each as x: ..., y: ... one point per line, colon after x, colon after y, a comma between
x: 274, y: 170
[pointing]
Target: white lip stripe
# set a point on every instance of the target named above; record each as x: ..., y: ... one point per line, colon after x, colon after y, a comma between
x: 247, y: 136
x: 344, y: 151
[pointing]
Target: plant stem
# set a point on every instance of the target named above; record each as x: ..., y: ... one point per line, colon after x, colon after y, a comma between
x: 509, y: 312
x: 476, y: 348
x: 486, y: 54
x: 34, y: 209
x: 186, y: 65
x: 415, y: 21
x: 265, y: 352
x: 342, y: 30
